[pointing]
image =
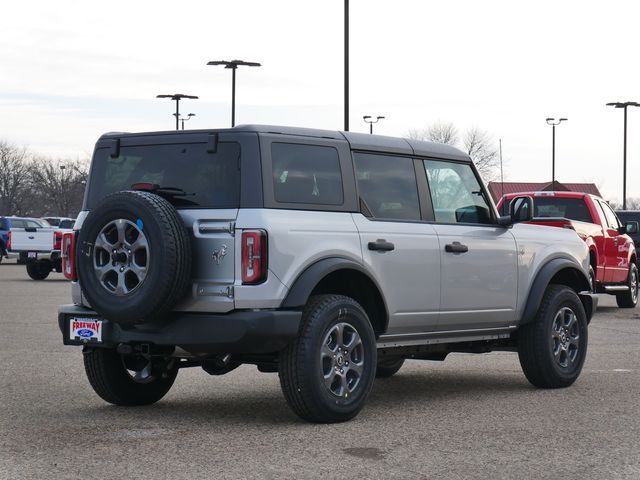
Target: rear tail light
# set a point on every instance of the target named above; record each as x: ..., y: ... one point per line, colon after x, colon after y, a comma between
x: 8, y: 245
x: 254, y: 257
x: 57, y: 240
x: 69, y: 255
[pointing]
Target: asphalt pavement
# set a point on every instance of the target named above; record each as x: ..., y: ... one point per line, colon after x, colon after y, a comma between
x: 471, y: 416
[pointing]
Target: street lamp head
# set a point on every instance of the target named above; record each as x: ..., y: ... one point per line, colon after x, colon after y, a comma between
x: 366, y: 117
x: 563, y: 120
x: 623, y: 104
x: 234, y: 63
x: 192, y: 114
x: 177, y: 96
x: 550, y: 119
x: 379, y: 118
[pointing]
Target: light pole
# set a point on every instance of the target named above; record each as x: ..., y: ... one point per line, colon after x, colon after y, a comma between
x: 182, y: 119
x: 177, y: 97
x: 346, y: 65
x: 553, y: 122
x: 63, y: 192
x: 233, y: 65
x: 624, y: 106
x: 368, y: 119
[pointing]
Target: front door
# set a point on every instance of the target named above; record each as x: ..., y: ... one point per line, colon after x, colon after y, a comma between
x: 479, y: 263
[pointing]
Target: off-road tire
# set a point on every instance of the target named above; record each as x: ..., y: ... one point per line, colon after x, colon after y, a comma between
x: 536, y: 346
x: 301, y: 367
x: 388, y: 367
x: 629, y: 299
x: 169, y: 263
x: 111, y: 381
x: 592, y: 279
x: 39, y: 270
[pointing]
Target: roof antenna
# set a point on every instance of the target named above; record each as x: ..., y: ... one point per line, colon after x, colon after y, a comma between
x: 501, y: 175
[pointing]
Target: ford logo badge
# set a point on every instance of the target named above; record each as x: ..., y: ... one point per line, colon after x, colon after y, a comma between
x: 85, y: 333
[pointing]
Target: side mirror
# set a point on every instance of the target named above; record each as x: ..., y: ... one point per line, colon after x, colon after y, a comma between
x: 631, y: 228
x: 521, y: 209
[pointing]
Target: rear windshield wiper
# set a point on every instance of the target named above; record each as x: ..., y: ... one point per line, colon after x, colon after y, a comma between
x: 169, y: 193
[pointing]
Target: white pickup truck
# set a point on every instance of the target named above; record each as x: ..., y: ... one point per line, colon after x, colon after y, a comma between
x: 38, y: 247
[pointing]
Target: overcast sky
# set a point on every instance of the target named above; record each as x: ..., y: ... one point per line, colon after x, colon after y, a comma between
x: 72, y: 70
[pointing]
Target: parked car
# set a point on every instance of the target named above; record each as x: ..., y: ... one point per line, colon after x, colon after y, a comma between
x: 626, y: 216
x: 37, y: 244
x: 613, y: 264
x: 61, y: 222
x: 7, y: 223
x: 327, y: 257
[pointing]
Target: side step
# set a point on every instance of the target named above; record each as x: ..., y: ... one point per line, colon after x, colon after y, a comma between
x: 616, y: 288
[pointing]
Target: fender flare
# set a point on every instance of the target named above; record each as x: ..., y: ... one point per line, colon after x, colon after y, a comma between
x: 542, y: 280
x: 305, y: 283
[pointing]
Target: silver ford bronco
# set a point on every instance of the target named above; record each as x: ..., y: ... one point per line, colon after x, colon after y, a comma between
x: 328, y: 257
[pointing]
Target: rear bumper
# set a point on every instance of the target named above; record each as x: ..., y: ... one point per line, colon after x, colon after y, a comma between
x: 23, y: 255
x: 248, y: 332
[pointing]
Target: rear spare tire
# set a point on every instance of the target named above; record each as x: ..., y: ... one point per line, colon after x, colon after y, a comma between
x: 134, y: 257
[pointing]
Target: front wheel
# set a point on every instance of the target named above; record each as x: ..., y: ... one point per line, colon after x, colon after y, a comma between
x: 326, y: 373
x: 552, y: 348
x: 629, y: 299
x: 128, y: 380
x: 388, y: 367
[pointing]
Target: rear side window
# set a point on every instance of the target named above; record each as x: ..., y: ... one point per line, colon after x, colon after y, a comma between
x: 18, y: 224
x: 388, y: 186
x: 308, y: 174
x: 209, y: 180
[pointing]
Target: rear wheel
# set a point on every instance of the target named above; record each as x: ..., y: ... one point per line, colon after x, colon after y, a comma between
x: 388, y: 367
x: 128, y: 380
x: 326, y: 373
x: 552, y: 348
x: 629, y: 299
x: 39, y: 270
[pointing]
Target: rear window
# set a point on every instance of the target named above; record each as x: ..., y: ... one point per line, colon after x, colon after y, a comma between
x: 546, y: 207
x: 307, y: 174
x: 210, y: 180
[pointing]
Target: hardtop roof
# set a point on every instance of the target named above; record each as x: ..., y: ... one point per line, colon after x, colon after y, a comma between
x: 357, y: 141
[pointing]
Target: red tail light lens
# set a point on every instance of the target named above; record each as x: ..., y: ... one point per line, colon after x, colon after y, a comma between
x: 57, y: 240
x: 8, y: 245
x: 254, y: 257
x: 69, y: 255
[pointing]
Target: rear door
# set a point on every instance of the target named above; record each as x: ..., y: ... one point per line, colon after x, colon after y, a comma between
x: 397, y: 244
x: 479, y: 263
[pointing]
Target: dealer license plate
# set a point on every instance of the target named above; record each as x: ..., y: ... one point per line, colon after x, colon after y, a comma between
x: 85, y: 329
x: 33, y: 255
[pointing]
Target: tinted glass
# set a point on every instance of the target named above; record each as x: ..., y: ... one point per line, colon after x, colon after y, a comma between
x: 209, y: 179
x: 66, y: 223
x: 388, y: 186
x: 571, y: 208
x: 53, y: 221
x: 456, y: 194
x: 306, y: 174
x: 17, y: 224
x: 4, y: 224
x: 612, y: 220
x: 34, y: 224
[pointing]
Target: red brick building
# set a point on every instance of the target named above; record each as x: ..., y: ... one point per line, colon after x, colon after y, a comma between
x: 497, y: 189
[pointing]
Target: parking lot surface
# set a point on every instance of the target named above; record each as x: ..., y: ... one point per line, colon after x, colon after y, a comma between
x: 471, y: 416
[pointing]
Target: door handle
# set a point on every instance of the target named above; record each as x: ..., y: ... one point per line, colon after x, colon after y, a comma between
x: 381, y: 245
x: 456, y: 247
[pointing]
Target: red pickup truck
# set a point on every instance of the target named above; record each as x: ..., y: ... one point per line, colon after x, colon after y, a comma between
x: 614, y: 262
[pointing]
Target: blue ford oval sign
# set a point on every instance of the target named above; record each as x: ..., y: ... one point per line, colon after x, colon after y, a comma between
x: 85, y: 333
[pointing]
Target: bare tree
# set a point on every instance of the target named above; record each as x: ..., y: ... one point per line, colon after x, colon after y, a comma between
x: 438, y: 132
x: 480, y: 147
x: 58, y: 186
x: 14, y: 176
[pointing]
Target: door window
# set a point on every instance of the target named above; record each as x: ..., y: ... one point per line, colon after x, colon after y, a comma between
x: 456, y: 194
x: 387, y: 184
x: 612, y: 220
x: 307, y: 174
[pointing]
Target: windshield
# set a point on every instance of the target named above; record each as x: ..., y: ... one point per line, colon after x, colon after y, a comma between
x: 545, y: 207
x: 208, y: 179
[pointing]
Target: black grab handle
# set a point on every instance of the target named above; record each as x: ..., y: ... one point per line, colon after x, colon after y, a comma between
x: 456, y: 247
x: 381, y: 245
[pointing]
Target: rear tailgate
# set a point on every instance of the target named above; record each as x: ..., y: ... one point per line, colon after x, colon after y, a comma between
x: 31, y: 240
